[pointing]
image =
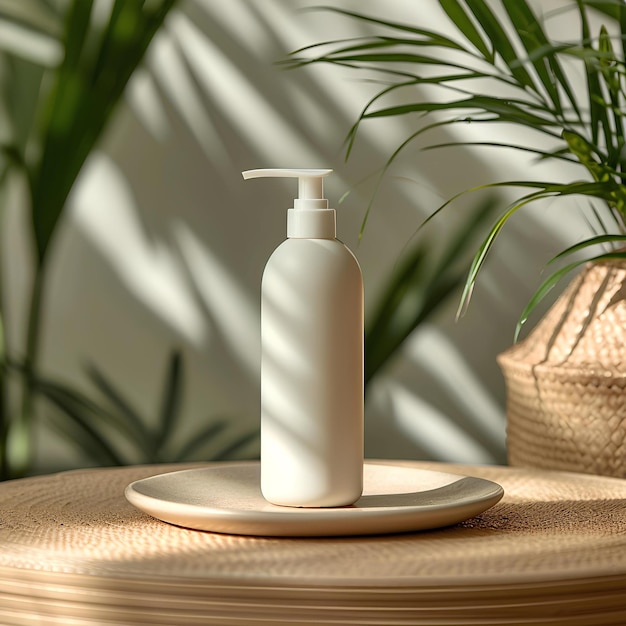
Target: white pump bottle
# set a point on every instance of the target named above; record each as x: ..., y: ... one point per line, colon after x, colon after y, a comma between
x: 312, y: 358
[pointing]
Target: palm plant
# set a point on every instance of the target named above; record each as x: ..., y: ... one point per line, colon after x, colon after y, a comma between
x: 422, y: 282
x: 503, y: 47
x: 55, y: 109
x: 48, y: 144
x: 114, y: 431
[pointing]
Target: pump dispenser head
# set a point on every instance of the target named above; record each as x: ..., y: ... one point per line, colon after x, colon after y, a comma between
x: 310, y: 217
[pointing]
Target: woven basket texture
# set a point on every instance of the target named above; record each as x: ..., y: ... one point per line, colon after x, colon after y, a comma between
x: 566, y: 381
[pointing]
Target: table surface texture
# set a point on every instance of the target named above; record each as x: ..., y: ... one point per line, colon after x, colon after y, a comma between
x: 73, y: 551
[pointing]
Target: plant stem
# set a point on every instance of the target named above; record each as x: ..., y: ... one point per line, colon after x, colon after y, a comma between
x: 4, y: 377
x: 4, y: 417
x: 20, y: 436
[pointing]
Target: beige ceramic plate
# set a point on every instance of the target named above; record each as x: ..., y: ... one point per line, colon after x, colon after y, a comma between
x: 227, y: 499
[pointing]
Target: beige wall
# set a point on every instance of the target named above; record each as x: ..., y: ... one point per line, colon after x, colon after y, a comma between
x: 165, y: 244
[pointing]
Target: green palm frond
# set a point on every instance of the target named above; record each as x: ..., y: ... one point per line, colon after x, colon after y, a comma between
x: 112, y: 431
x: 97, y: 64
x: 422, y: 282
x: 503, y: 46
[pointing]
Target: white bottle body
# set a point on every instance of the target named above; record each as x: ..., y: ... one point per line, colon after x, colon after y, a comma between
x: 312, y: 375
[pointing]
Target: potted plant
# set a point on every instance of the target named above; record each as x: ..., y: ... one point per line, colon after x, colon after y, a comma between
x: 501, y: 65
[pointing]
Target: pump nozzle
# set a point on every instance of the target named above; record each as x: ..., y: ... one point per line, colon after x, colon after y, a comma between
x: 310, y: 216
x: 310, y: 184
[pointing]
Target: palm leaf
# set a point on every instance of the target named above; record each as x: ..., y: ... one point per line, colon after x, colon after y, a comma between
x: 611, y: 75
x: 440, y: 80
x: 621, y: 18
x: 550, y: 282
x: 459, y: 16
x: 534, y: 39
x: 515, y: 111
x: 402, y: 111
x: 389, y: 325
x: 200, y: 439
x: 599, y: 120
x: 12, y: 156
x: 233, y: 449
x: 435, y: 39
x: 81, y: 403
x: 611, y: 8
x: 171, y: 401
x: 581, y: 245
x: 80, y: 429
x: 416, y: 289
x: 137, y: 430
x: 87, y: 88
x: 500, y: 42
x: 545, y: 190
x: 541, y: 154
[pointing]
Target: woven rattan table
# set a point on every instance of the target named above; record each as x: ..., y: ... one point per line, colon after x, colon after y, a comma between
x: 73, y: 551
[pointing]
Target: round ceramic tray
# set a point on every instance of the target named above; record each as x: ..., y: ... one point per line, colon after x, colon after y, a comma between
x: 395, y: 499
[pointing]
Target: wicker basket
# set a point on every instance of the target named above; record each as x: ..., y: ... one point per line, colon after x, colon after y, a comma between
x: 566, y: 382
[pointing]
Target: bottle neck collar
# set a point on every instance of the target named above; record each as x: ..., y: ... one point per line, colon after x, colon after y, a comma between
x: 311, y: 224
